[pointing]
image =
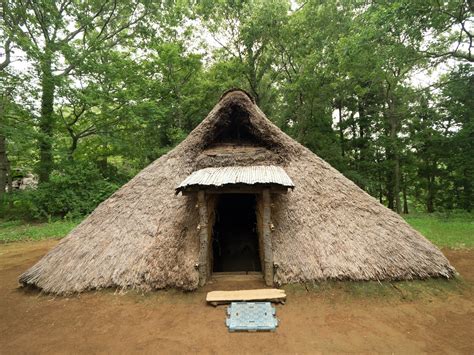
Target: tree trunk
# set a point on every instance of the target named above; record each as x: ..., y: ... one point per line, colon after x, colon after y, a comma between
x: 252, y: 75
x: 380, y: 181
x: 9, y: 184
x: 341, y: 129
x: 103, y: 165
x: 46, y: 123
x: 3, y: 166
x: 405, y: 199
x: 430, y: 194
x: 390, y: 194
x: 9, y: 180
x: 395, y: 155
x: 388, y: 172
x: 3, y: 152
x: 362, y: 127
x: 396, y: 187
x: 72, y: 147
x: 467, y: 189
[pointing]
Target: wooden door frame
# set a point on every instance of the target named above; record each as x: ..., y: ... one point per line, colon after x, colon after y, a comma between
x: 204, y: 263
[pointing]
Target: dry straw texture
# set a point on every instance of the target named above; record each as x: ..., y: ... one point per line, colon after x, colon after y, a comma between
x: 144, y: 236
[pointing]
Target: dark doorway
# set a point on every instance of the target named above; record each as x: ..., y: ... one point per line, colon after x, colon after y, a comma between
x: 235, y: 237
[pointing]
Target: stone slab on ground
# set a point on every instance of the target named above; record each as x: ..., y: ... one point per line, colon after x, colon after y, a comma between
x: 251, y: 317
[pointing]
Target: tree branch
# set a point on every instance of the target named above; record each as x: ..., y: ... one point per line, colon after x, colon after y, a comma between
x: 7, y: 59
x: 98, y: 42
x: 74, y: 33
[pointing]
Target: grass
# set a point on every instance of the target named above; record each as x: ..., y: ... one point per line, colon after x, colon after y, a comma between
x: 455, y: 231
x: 16, y: 230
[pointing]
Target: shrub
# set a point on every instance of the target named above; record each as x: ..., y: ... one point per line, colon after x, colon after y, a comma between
x: 73, y: 191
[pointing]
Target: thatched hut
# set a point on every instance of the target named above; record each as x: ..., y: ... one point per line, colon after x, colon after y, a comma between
x: 237, y: 194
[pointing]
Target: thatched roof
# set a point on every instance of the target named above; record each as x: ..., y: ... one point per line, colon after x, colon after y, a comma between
x: 144, y: 236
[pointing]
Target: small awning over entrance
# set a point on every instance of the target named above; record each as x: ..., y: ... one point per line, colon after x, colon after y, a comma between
x: 232, y: 176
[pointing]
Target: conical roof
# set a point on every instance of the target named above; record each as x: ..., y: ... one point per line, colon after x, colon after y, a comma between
x: 144, y: 236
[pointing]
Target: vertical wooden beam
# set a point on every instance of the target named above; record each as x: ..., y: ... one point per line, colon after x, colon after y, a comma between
x: 267, y: 237
x: 203, y: 239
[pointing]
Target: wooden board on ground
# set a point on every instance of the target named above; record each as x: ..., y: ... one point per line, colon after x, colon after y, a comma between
x: 265, y: 294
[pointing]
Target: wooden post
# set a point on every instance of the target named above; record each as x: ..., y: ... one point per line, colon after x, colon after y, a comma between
x: 203, y: 239
x: 267, y: 238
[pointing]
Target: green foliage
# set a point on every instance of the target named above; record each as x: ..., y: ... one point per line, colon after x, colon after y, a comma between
x: 247, y: 31
x: 72, y: 191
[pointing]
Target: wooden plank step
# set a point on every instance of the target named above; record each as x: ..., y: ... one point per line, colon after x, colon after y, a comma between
x: 264, y: 294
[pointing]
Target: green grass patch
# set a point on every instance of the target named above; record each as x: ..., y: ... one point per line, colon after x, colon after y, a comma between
x: 451, y: 231
x: 15, y: 230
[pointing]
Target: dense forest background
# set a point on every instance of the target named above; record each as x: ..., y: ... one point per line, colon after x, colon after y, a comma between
x: 93, y: 91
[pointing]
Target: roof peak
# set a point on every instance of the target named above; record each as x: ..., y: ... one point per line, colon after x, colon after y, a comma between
x: 236, y: 90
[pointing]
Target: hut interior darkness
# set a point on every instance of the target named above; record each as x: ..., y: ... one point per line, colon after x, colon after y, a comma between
x: 235, y: 243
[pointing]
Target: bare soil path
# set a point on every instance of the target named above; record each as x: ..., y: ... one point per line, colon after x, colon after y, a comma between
x: 176, y: 322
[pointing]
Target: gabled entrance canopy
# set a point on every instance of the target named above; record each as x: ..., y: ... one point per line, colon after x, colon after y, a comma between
x: 238, y: 178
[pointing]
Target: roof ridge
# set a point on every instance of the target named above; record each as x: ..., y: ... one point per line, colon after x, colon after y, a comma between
x: 227, y: 92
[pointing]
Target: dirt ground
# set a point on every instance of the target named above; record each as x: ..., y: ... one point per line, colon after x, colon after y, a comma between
x: 176, y: 322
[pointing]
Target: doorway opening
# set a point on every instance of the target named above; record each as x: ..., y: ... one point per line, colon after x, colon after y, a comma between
x: 235, y: 245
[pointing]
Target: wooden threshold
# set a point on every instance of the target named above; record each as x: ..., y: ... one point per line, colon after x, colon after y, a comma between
x: 231, y: 273
x: 238, y: 276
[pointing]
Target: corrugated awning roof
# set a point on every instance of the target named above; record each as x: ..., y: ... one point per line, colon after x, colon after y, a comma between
x: 231, y: 175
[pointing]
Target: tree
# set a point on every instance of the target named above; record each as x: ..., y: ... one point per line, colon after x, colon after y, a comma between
x: 457, y: 107
x: 16, y: 129
x: 58, y: 37
x: 450, y: 24
x: 247, y: 33
x: 4, y: 164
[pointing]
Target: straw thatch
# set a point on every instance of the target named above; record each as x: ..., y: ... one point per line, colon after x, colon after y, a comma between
x: 144, y: 236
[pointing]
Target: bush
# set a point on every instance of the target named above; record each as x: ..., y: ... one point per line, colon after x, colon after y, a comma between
x: 17, y: 205
x: 73, y: 191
